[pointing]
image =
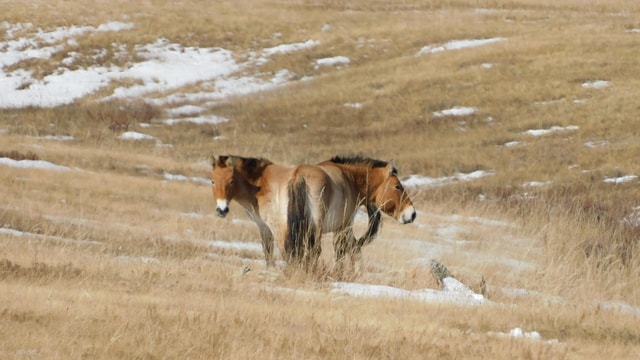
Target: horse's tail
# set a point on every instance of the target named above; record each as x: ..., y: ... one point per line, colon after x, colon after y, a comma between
x: 300, y: 226
x: 375, y: 220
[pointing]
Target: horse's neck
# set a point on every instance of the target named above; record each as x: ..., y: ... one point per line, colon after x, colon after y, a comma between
x: 362, y: 176
x: 247, y: 196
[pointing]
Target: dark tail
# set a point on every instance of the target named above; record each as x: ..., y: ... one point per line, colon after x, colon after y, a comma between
x: 375, y: 219
x: 301, y: 231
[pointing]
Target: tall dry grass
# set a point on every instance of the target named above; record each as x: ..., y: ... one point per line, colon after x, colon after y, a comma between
x: 115, y: 262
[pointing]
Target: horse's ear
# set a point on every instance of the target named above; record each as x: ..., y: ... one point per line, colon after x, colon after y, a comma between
x: 392, y: 169
x: 230, y: 161
x: 213, y: 160
x: 221, y: 161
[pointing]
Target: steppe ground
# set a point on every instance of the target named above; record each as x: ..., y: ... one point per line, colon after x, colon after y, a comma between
x: 112, y: 259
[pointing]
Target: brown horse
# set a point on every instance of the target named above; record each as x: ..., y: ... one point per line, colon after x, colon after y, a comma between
x: 299, y: 204
x: 379, y: 189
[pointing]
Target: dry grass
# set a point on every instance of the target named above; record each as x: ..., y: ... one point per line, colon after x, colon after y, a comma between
x: 116, y: 262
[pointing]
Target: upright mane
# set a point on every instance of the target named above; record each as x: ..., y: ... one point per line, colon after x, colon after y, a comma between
x: 252, y: 167
x: 358, y: 160
x: 361, y: 161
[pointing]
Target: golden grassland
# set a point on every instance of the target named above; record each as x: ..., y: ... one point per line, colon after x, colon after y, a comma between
x: 114, y: 261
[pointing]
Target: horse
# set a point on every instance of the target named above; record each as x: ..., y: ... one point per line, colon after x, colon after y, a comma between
x: 240, y: 179
x: 301, y: 203
x: 377, y: 187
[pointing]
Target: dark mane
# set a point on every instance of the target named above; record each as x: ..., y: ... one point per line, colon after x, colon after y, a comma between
x: 252, y: 167
x: 358, y: 160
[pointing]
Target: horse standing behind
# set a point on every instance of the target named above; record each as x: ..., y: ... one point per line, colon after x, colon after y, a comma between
x: 375, y: 185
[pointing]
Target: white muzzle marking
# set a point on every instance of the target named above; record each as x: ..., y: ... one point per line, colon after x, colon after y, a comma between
x: 222, y: 207
x: 408, y: 215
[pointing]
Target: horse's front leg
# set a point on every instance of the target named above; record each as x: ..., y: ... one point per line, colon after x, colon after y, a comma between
x: 267, y: 244
x: 266, y: 235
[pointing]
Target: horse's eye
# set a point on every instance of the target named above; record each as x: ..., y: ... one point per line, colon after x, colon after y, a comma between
x: 399, y: 187
x: 213, y: 182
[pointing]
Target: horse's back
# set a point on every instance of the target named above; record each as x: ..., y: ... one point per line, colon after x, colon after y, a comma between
x: 340, y: 198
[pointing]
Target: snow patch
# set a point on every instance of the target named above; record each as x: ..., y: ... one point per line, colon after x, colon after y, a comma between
x: 32, y: 164
x: 457, y: 45
x: 136, y: 136
x: 541, y: 132
x: 419, y: 180
x: 597, y: 84
x: 620, y: 179
x: 455, y: 111
x: 453, y: 292
x: 332, y: 61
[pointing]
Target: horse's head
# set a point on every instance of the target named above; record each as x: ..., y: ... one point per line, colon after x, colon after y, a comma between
x: 391, y: 197
x: 223, y: 181
x: 236, y: 177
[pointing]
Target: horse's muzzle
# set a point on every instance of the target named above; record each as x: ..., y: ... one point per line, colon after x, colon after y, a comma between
x: 222, y: 212
x: 408, y: 215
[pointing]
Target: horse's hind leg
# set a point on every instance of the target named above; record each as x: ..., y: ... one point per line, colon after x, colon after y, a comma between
x: 313, y: 250
x: 343, y: 244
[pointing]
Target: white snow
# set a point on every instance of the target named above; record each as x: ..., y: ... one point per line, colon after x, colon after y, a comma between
x: 536, y: 183
x: 419, y: 180
x: 17, y: 233
x: 186, y: 110
x: 115, y: 26
x: 164, y: 68
x: 541, y: 132
x: 457, y: 45
x: 596, y: 144
x: 212, y: 119
x: 518, y: 333
x: 247, y: 246
x: 55, y: 138
x: 620, y: 179
x: 287, y: 48
x: 170, y: 66
x: 453, y: 292
x: 32, y: 164
x: 353, y: 105
x: 597, y: 84
x: 178, y: 177
x: 333, y: 61
x: 133, y: 135
x: 455, y: 111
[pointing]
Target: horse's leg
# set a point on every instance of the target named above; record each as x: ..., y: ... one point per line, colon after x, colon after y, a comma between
x: 343, y: 241
x: 267, y: 237
x: 339, y: 242
x: 267, y: 244
x: 315, y: 247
